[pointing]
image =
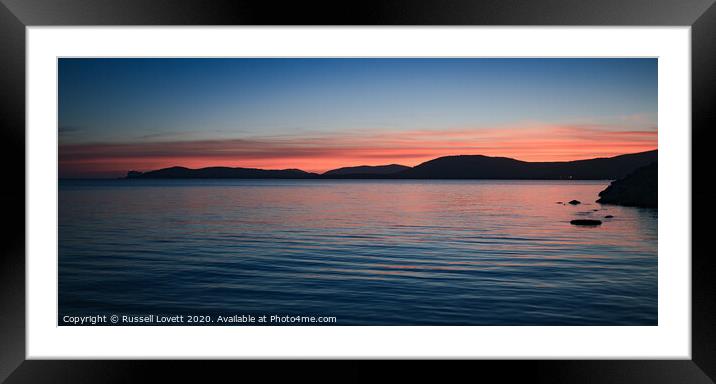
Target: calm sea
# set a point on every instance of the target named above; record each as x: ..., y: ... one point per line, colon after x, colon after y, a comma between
x: 367, y: 252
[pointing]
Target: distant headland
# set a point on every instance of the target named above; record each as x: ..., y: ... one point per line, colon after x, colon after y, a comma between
x: 447, y: 167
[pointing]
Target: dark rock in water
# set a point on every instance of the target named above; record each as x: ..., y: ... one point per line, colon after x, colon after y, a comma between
x: 575, y: 202
x: 559, y: 202
x: 638, y: 189
x: 608, y: 216
x: 585, y: 222
x: 594, y: 210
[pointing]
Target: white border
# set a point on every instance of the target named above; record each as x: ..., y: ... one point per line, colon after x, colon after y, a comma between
x: 670, y: 339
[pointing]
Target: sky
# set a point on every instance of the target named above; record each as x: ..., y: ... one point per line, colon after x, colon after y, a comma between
x: 318, y: 114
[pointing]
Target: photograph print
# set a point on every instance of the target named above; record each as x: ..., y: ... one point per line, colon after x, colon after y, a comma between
x: 357, y: 191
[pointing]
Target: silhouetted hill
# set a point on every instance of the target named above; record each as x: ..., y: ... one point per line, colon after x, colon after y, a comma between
x: 366, y: 170
x: 221, y: 173
x: 448, y: 167
x: 638, y: 189
x: 484, y: 167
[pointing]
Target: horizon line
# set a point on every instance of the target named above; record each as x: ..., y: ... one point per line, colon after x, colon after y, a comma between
x: 349, y: 166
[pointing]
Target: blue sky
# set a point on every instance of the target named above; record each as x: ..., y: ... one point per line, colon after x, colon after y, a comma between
x: 130, y: 104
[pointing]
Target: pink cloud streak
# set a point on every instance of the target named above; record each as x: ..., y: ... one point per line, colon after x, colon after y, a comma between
x: 534, y: 142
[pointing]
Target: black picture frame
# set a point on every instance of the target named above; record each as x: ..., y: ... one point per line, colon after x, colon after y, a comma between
x: 16, y: 15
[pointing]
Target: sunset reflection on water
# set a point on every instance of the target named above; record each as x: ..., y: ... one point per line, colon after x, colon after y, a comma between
x: 384, y: 252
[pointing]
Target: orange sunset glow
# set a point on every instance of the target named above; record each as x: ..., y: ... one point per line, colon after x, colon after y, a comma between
x: 322, y: 153
x: 122, y: 115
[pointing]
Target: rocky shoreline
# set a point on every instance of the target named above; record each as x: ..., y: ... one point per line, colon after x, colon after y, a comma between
x: 638, y: 189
